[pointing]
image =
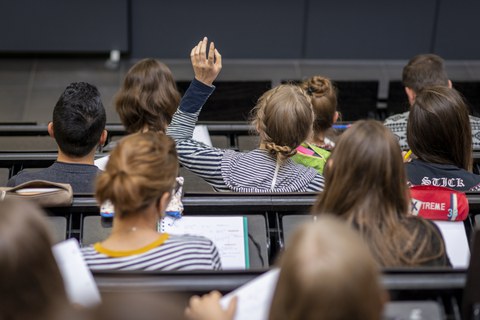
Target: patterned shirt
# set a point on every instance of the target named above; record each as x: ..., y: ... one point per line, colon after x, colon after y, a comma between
x: 169, y: 252
x: 398, y: 125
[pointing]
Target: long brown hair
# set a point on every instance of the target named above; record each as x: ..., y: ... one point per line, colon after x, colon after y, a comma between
x: 141, y: 168
x: 438, y: 129
x: 283, y: 118
x: 148, y: 97
x: 31, y: 285
x: 325, y: 265
x: 365, y: 184
x: 324, y: 102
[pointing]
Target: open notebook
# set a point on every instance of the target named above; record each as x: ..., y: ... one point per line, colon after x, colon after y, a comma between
x: 229, y: 234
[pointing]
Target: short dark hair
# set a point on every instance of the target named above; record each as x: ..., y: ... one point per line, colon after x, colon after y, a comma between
x: 424, y: 70
x: 438, y: 129
x: 79, y: 119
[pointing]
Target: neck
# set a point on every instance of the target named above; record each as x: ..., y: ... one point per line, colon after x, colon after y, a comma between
x: 318, y: 139
x: 144, y: 221
x: 88, y: 159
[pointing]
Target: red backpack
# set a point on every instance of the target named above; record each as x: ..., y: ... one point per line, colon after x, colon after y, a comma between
x: 439, y: 203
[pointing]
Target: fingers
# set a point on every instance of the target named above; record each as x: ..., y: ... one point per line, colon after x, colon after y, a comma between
x: 211, y: 53
x: 232, y: 307
x: 218, y: 59
x: 203, y: 48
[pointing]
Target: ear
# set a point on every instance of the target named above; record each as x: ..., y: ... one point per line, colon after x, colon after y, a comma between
x: 450, y: 84
x: 335, y: 117
x: 103, y: 138
x: 411, y: 95
x: 163, y: 203
x: 50, y: 129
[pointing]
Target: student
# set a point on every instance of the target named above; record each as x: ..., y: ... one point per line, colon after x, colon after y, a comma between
x: 326, y: 273
x: 439, y: 134
x: 283, y: 119
x: 78, y: 127
x: 31, y: 285
x: 423, y: 71
x: 315, y: 151
x: 138, y: 180
x: 366, y: 185
x: 147, y: 99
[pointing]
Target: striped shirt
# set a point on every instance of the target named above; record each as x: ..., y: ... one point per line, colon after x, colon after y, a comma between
x: 169, y: 252
x: 228, y: 170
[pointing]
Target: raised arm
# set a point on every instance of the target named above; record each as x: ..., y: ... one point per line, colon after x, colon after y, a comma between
x: 196, y: 156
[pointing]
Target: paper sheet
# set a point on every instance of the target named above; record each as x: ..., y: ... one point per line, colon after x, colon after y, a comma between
x: 255, y: 297
x: 79, y: 283
x: 227, y: 233
x: 456, y: 242
x: 200, y: 133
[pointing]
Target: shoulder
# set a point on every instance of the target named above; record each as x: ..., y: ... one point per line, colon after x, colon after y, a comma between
x: 397, y: 119
x: 24, y: 176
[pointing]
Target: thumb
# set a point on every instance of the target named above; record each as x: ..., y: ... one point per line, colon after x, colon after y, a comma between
x: 232, y: 307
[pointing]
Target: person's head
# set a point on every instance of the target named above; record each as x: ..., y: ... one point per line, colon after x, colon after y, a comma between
x: 327, y: 273
x: 424, y: 70
x: 79, y: 119
x: 31, y: 285
x: 366, y: 185
x: 141, y: 172
x: 148, y: 97
x: 283, y: 118
x: 324, y: 102
x: 366, y: 157
x: 438, y: 129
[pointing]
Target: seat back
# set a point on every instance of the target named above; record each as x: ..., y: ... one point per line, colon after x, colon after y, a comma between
x: 94, y: 230
x: 58, y: 227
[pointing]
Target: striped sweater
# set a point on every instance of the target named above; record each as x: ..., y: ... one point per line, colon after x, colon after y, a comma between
x: 228, y: 170
x: 169, y: 252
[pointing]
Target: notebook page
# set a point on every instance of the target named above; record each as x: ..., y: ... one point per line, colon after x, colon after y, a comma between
x: 79, y: 283
x: 227, y: 233
x: 456, y: 242
x: 255, y: 297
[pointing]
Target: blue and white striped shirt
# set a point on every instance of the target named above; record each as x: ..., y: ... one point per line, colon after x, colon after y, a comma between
x: 228, y: 170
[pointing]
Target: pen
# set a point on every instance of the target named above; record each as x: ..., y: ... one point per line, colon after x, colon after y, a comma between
x: 407, y: 155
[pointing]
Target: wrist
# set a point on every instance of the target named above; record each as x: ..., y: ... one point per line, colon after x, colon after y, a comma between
x: 206, y: 82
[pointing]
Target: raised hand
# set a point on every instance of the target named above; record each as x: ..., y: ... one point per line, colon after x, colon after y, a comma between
x: 206, y: 67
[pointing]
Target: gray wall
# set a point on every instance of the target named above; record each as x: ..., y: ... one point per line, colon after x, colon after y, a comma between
x: 264, y: 29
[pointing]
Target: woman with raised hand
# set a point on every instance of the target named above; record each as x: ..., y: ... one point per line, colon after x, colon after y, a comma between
x: 283, y: 119
x: 366, y: 185
x: 315, y: 151
x: 138, y: 180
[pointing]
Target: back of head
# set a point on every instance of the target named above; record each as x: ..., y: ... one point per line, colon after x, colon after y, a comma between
x: 424, y: 70
x: 79, y: 119
x: 438, y: 129
x: 366, y: 157
x: 139, y: 306
x: 283, y: 117
x: 142, y: 167
x: 327, y: 273
x: 324, y: 101
x: 31, y: 285
x: 148, y: 97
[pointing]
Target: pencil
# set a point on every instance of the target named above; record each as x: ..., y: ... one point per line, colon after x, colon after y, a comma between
x: 407, y: 155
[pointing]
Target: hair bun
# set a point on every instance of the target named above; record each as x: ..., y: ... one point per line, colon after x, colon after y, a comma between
x: 317, y: 86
